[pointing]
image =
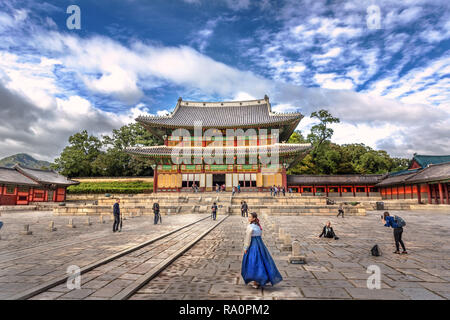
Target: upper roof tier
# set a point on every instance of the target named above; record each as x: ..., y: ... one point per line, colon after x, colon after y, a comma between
x: 223, y: 115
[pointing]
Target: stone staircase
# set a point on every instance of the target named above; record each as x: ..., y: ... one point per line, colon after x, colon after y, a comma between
x: 179, y: 203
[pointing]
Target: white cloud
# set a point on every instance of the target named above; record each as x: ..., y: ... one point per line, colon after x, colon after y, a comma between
x: 333, y: 81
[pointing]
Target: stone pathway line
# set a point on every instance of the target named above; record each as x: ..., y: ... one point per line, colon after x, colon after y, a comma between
x: 55, y: 281
x: 108, y: 280
x: 22, y: 274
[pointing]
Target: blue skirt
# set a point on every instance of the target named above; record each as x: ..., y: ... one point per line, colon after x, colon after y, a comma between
x: 258, y: 265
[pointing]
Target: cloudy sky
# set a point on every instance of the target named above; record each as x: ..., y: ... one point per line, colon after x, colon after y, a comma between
x: 387, y: 79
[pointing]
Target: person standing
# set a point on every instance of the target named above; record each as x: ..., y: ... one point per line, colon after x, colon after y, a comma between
x: 239, y: 187
x: 214, y: 211
x: 271, y: 191
x: 156, y: 212
x: 217, y: 187
x: 246, y: 208
x: 340, y: 211
x: 396, y: 224
x: 284, y: 191
x: 116, y: 213
x: 258, y: 266
x: 233, y: 190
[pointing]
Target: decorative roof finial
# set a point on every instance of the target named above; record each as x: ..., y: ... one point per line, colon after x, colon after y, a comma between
x: 180, y: 99
x: 266, y: 97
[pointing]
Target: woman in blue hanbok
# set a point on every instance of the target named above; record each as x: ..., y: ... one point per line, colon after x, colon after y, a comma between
x: 257, y: 264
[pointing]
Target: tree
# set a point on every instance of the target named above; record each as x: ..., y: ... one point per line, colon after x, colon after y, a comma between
x: 76, y: 159
x: 297, y: 137
x: 330, y: 158
x: 320, y: 133
x: 115, y: 161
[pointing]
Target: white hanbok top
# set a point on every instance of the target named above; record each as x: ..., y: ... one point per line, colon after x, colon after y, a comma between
x: 253, y: 230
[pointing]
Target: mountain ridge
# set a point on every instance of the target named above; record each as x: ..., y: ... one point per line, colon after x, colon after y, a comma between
x: 25, y: 160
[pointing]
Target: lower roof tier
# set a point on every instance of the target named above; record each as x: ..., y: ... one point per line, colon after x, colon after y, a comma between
x: 284, y: 150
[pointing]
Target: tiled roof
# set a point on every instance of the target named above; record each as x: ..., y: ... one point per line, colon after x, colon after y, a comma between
x: 12, y: 176
x: 396, y: 179
x: 221, y: 115
x: 434, y: 172
x: 334, y: 179
x: 425, y: 160
x: 45, y: 176
x: 157, y: 151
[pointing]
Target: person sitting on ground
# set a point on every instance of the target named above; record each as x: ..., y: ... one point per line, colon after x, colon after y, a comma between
x: 328, y: 232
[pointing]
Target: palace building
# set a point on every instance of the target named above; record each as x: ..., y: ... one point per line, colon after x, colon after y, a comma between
x: 427, y: 179
x: 221, y: 143
x: 197, y: 139
x: 21, y: 185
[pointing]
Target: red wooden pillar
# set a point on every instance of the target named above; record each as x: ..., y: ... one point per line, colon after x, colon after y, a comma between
x: 155, y: 178
x: 441, y: 194
x: 314, y: 190
x: 367, y: 190
x: 353, y: 188
x: 429, y: 193
x: 284, y: 179
x: 340, y: 191
x: 326, y: 189
x: 404, y: 191
x: 419, y: 194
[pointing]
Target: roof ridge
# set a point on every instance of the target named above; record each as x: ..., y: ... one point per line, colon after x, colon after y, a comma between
x: 35, y: 169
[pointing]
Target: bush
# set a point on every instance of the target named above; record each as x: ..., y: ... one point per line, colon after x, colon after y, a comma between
x: 112, y: 187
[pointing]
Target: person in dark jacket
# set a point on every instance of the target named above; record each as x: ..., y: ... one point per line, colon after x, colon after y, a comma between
x: 389, y: 221
x: 214, y: 211
x: 328, y: 232
x: 156, y: 212
x: 244, y: 209
x: 340, y: 210
x: 116, y: 213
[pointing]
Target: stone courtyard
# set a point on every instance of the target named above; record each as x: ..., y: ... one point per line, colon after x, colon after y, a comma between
x: 335, y: 269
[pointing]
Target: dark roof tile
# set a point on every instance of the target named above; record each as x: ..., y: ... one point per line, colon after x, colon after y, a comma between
x: 12, y: 176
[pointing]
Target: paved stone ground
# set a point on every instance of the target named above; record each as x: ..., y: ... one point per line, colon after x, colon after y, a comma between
x: 107, y: 280
x: 335, y: 269
x: 29, y: 260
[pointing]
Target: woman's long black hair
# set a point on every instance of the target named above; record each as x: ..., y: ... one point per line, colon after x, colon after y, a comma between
x: 256, y: 221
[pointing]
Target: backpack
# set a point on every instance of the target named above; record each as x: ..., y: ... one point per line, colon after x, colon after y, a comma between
x: 376, y: 251
x: 399, y: 221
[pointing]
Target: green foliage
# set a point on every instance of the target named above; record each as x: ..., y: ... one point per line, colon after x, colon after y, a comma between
x: 112, y: 187
x: 88, y: 156
x: 297, y: 137
x: 329, y: 158
x: 76, y: 158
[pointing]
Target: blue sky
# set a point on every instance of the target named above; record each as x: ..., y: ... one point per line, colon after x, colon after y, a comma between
x: 388, y: 85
